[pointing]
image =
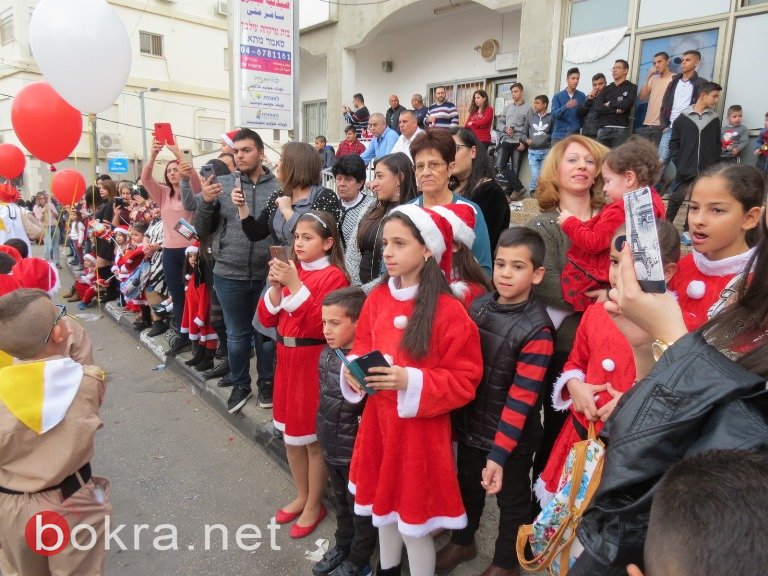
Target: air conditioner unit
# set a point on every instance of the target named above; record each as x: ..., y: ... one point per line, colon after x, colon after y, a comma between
x: 206, y: 145
x: 109, y: 141
x: 221, y: 8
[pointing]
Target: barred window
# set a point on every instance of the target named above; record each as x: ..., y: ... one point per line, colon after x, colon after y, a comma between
x: 7, y: 30
x: 151, y: 44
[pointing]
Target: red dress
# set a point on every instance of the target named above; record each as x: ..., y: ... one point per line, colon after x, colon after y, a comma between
x: 467, y: 291
x: 589, y: 254
x: 600, y: 354
x: 402, y: 467
x: 296, y: 394
x: 699, y: 283
x: 195, y: 319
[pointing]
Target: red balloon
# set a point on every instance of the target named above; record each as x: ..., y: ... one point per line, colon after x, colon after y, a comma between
x: 47, y: 126
x: 12, y: 161
x: 68, y: 186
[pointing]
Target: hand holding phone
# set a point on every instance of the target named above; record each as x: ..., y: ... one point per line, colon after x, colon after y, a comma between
x: 238, y: 199
x: 356, y: 371
x: 279, y: 253
x: 207, y: 171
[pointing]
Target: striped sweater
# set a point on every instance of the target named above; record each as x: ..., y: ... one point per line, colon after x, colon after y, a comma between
x: 445, y: 115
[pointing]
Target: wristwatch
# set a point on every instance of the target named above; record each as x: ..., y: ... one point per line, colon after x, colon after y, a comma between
x: 658, y: 348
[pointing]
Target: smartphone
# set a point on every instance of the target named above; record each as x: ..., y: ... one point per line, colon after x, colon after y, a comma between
x: 643, y: 239
x: 186, y: 156
x: 355, y: 370
x: 238, y: 179
x: 164, y: 133
x: 279, y: 253
x: 207, y: 171
x: 371, y: 360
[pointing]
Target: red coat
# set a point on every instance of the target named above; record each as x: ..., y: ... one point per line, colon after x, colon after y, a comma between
x: 480, y: 123
x: 296, y: 394
x: 195, y: 319
x: 402, y: 467
x: 600, y: 354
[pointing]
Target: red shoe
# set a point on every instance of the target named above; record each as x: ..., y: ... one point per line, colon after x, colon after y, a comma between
x: 304, y: 531
x: 283, y: 517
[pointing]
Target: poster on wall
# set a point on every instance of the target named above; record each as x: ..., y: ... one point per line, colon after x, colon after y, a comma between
x: 265, y: 37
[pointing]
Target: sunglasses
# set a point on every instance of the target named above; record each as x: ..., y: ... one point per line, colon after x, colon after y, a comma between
x: 59, y: 316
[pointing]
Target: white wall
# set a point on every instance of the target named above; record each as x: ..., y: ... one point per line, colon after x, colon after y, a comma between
x: 745, y: 85
x: 313, y: 77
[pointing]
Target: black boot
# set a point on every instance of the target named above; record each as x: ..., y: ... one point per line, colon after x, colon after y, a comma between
x: 207, y: 362
x: 221, y: 369
x: 388, y: 571
x: 158, y: 327
x: 143, y: 321
x: 197, y: 357
x: 181, y: 343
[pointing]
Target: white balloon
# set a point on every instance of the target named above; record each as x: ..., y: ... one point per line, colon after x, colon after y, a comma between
x: 83, y: 51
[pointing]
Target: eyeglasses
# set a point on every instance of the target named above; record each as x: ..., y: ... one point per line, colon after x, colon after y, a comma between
x: 59, y: 316
x: 460, y: 146
x: 431, y: 166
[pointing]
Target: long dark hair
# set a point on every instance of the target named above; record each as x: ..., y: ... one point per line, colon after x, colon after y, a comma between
x: 401, y: 166
x: 474, y: 107
x: 741, y: 327
x: 465, y: 267
x: 482, y: 166
x: 165, y: 177
x: 324, y: 225
x: 432, y: 284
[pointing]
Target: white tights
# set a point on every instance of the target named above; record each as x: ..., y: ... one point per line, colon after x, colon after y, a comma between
x: 421, y: 550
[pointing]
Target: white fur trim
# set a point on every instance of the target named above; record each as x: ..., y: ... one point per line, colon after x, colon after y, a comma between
x: 193, y: 337
x: 268, y: 304
x: 351, y: 487
x: 543, y: 495
x: 557, y: 394
x: 90, y: 257
x: 292, y: 302
x: 346, y: 390
x: 461, y: 232
x: 419, y: 530
x: 121, y: 230
x: 319, y: 264
x: 184, y: 330
x: 723, y: 267
x: 460, y: 288
x: 209, y: 337
x: 429, y: 231
x: 400, y: 322
x: 408, y: 400
x: 56, y: 283
x: 192, y: 250
x: 299, y: 440
x: 402, y: 294
x: 696, y: 289
x: 199, y: 322
x: 608, y: 365
x: 278, y: 425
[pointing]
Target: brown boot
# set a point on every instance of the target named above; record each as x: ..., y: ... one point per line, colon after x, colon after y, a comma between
x: 496, y: 571
x: 451, y: 555
x: 74, y: 298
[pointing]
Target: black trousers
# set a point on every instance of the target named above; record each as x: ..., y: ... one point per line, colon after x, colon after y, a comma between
x: 677, y: 195
x: 612, y: 137
x: 652, y: 133
x: 514, y: 500
x: 354, y: 533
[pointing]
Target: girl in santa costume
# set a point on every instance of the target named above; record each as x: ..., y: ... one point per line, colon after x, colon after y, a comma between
x: 468, y: 281
x: 195, y: 319
x: 293, y: 304
x: 600, y: 367
x: 402, y: 471
x: 723, y: 215
x: 84, y: 281
x: 631, y: 166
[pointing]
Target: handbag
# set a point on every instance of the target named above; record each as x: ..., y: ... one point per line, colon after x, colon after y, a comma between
x: 552, y: 536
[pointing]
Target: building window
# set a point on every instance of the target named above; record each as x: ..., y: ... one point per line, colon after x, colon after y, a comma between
x: 226, y: 58
x: 151, y: 44
x: 7, y: 31
x: 754, y: 2
x: 593, y: 15
x: 314, y: 116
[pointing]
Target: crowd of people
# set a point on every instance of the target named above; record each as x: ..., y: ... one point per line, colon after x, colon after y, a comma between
x: 408, y: 340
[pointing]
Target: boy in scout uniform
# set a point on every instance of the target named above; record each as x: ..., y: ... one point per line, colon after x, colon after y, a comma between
x: 50, y: 394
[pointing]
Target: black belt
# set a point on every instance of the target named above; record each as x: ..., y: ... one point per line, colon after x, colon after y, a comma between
x: 292, y: 342
x: 68, y: 486
x: 580, y: 429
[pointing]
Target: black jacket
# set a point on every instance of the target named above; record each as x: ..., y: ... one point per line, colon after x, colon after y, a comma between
x: 614, y: 104
x: 669, y: 97
x: 504, y: 330
x: 588, y: 113
x: 695, y: 399
x: 393, y: 117
x: 695, y: 143
x: 337, y: 419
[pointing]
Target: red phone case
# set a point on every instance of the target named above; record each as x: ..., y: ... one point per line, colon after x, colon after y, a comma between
x: 164, y: 133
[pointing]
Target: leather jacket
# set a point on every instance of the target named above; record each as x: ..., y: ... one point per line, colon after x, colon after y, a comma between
x: 695, y: 399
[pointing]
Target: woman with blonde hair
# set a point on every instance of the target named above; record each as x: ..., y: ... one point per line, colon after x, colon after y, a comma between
x: 570, y: 180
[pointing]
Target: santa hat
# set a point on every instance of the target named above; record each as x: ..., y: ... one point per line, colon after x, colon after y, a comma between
x: 11, y: 251
x: 36, y: 273
x: 227, y: 138
x: 194, y: 248
x: 436, y: 232
x: 462, y: 220
x: 90, y: 257
x: 121, y: 230
x: 8, y: 193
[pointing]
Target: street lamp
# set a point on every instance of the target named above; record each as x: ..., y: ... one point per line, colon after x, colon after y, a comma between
x: 144, y: 123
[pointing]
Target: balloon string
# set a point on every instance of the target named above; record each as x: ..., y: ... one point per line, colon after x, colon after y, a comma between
x: 93, y: 193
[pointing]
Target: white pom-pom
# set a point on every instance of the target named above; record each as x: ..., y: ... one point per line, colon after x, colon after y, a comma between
x: 696, y: 289
x: 401, y: 322
x: 609, y: 365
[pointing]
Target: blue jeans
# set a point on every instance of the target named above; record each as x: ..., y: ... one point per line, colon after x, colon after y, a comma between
x: 666, y: 136
x: 173, y: 269
x: 238, y: 300
x: 535, y: 160
x: 51, y: 251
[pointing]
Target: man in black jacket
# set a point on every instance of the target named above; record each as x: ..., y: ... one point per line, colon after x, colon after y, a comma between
x: 694, y: 145
x: 614, y: 106
x: 587, y: 112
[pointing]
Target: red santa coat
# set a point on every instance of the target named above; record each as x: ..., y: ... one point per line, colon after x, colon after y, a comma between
x: 600, y: 354
x: 699, y: 283
x: 195, y: 319
x: 126, y: 265
x: 402, y: 467
x: 296, y: 393
x: 467, y: 291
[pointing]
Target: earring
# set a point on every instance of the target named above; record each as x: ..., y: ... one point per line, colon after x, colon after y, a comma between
x: 426, y: 258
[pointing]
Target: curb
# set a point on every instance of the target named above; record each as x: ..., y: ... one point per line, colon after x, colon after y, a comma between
x: 252, y: 422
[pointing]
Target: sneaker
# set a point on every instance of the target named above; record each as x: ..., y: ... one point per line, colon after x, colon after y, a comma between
x: 237, y: 399
x: 219, y: 370
x: 82, y: 306
x: 685, y: 239
x: 225, y: 382
x: 265, y: 394
x: 330, y: 561
x: 349, y: 569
